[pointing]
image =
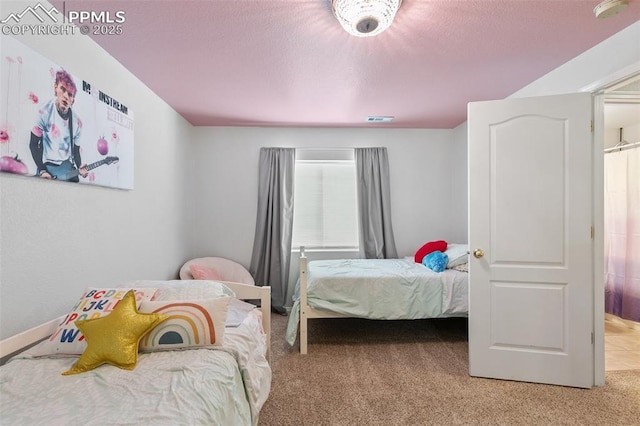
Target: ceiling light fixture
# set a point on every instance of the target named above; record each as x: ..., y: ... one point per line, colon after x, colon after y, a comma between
x: 365, y: 18
x: 610, y: 7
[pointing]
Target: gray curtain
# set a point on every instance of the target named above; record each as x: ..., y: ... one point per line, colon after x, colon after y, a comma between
x: 374, y: 204
x: 274, y: 223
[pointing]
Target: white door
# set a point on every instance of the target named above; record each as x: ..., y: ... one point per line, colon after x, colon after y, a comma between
x: 530, y: 220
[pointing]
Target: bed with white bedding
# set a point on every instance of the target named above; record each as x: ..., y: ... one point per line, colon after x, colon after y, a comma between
x: 380, y: 289
x: 222, y: 384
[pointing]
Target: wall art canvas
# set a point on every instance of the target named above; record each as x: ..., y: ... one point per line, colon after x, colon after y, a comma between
x: 55, y: 125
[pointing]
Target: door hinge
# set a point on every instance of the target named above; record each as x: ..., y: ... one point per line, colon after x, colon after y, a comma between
x: 591, y: 126
x: 593, y: 232
x: 592, y: 338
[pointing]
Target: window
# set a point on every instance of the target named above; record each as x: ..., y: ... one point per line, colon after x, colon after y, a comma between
x: 325, y: 203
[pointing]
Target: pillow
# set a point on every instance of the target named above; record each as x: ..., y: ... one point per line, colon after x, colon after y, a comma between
x: 237, y: 312
x: 463, y: 267
x: 200, y: 272
x: 191, y: 323
x: 458, y: 254
x: 94, y: 303
x: 189, y: 290
x: 429, y: 247
x: 114, y: 338
x: 436, y: 261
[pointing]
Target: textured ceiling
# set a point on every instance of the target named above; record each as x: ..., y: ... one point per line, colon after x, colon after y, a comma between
x: 289, y: 63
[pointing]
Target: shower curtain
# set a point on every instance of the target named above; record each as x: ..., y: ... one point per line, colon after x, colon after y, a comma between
x: 622, y: 233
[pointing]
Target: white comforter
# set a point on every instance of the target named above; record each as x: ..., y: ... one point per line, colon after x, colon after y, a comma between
x: 387, y: 289
x: 225, y: 386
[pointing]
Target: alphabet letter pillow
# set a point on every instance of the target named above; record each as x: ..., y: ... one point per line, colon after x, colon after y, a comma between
x: 190, y: 323
x: 114, y: 338
x: 94, y: 303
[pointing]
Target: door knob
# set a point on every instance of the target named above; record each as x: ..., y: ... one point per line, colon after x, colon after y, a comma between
x: 478, y: 253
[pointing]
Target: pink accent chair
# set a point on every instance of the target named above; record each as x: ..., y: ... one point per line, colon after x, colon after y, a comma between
x: 227, y: 269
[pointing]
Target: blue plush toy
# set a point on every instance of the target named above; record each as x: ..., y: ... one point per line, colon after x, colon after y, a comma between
x: 436, y: 261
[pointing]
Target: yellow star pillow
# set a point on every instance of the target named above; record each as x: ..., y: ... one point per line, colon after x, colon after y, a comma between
x: 114, y: 338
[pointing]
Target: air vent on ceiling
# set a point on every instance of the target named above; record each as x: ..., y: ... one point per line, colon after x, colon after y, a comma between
x: 379, y: 119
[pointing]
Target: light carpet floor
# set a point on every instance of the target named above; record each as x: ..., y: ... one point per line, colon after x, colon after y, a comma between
x: 361, y: 372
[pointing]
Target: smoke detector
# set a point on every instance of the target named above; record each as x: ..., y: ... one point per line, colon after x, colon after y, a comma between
x: 610, y: 7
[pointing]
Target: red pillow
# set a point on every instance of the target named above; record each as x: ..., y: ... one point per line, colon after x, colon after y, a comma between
x: 431, y: 246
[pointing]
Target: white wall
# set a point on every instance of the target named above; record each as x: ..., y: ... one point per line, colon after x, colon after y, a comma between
x: 427, y: 174
x: 610, y: 57
x: 459, y: 197
x: 613, y: 57
x: 428, y: 167
x: 57, y: 238
x: 423, y: 166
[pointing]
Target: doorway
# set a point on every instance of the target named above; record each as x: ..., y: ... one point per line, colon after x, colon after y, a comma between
x: 621, y: 133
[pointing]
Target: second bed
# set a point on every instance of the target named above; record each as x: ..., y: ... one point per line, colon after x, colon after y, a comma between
x: 379, y: 289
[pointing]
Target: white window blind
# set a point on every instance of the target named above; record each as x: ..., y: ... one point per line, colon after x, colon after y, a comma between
x: 325, y: 205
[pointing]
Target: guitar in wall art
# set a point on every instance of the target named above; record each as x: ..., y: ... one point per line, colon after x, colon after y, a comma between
x: 66, y: 171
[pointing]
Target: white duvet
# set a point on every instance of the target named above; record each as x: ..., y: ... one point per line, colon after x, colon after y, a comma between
x: 222, y: 386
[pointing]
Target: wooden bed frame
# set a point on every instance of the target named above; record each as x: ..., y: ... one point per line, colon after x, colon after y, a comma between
x: 15, y: 344
x: 306, y: 311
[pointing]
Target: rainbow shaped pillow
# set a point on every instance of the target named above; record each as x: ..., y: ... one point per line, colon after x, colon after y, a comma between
x: 191, y: 323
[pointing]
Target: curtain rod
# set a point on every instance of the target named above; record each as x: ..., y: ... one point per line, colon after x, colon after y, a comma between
x: 622, y: 147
